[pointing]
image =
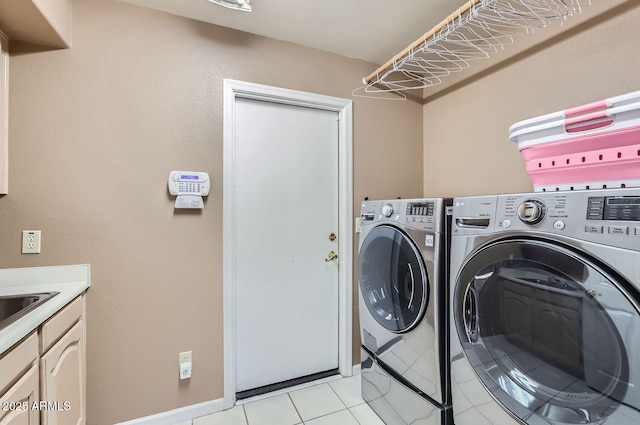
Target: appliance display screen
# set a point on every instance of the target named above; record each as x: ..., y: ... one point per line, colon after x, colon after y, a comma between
x: 623, y: 208
x: 420, y: 208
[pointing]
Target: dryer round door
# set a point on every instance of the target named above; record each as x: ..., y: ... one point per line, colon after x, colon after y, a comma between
x: 393, y: 280
x: 552, y: 334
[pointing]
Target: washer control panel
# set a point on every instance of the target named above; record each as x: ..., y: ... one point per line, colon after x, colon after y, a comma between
x: 421, y: 208
x: 415, y: 213
x: 607, y: 216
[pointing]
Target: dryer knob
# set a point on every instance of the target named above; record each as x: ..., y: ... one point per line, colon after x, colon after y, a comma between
x: 387, y: 210
x: 531, y: 211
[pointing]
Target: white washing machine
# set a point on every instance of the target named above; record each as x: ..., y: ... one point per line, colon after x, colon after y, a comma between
x: 545, y: 314
x: 403, y: 309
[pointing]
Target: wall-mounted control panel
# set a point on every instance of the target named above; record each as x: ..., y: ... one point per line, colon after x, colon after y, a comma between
x: 189, y: 187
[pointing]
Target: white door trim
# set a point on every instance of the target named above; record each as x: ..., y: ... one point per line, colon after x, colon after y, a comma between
x: 238, y: 89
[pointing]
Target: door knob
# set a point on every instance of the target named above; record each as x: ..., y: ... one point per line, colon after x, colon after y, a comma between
x: 332, y: 255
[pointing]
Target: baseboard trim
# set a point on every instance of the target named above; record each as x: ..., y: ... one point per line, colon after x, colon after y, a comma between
x: 174, y: 416
x: 188, y: 413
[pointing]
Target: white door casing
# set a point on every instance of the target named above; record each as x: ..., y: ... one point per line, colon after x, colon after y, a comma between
x: 235, y: 93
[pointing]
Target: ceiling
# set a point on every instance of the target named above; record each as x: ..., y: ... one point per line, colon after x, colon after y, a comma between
x: 372, y: 30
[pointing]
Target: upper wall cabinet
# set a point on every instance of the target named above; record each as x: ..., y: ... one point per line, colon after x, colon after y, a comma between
x: 43, y: 22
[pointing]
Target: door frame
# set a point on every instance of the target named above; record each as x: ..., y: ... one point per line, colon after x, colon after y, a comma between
x: 233, y: 90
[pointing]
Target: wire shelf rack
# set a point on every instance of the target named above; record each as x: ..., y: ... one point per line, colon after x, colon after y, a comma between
x: 476, y: 31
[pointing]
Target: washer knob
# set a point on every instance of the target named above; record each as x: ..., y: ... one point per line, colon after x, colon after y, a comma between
x: 531, y: 211
x: 387, y: 210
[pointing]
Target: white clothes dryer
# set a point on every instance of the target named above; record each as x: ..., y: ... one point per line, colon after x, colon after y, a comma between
x: 403, y: 309
x: 545, y: 313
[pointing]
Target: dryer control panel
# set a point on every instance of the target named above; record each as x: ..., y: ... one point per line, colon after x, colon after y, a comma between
x: 616, y: 208
x: 605, y: 216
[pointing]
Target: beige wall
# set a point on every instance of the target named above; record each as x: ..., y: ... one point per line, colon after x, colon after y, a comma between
x: 466, y: 132
x: 94, y: 132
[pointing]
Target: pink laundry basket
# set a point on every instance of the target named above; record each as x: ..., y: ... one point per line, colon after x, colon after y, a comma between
x: 592, y: 146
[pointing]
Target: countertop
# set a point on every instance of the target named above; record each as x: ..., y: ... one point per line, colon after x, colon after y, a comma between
x: 70, y: 281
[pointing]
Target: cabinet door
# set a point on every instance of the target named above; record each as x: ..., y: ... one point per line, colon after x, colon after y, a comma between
x: 63, y: 380
x: 18, y: 402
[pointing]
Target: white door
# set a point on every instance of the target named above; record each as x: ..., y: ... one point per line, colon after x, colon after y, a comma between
x: 286, y: 216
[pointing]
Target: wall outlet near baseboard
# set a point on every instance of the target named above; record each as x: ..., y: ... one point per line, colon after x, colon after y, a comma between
x: 184, y: 361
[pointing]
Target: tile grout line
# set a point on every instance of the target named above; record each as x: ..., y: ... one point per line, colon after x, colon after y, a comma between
x: 244, y: 412
x: 353, y: 416
x: 345, y: 404
x: 295, y: 407
x: 326, y: 414
x: 347, y: 408
x: 338, y: 395
x: 331, y: 413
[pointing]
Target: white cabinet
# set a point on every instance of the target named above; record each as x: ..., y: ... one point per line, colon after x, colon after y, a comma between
x: 18, y: 402
x: 63, y: 366
x: 19, y: 383
x: 43, y: 377
x: 62, y: 369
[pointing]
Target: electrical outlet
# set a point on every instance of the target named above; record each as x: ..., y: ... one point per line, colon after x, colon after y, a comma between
x: 184, y: 357
x: 31, y: 241
x: 184, y: 361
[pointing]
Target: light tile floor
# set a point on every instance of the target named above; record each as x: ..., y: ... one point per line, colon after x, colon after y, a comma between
x: 337, y: 402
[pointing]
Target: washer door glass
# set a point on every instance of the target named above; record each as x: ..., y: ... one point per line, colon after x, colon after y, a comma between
x: 545, y: 331
x: 393, y: 281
